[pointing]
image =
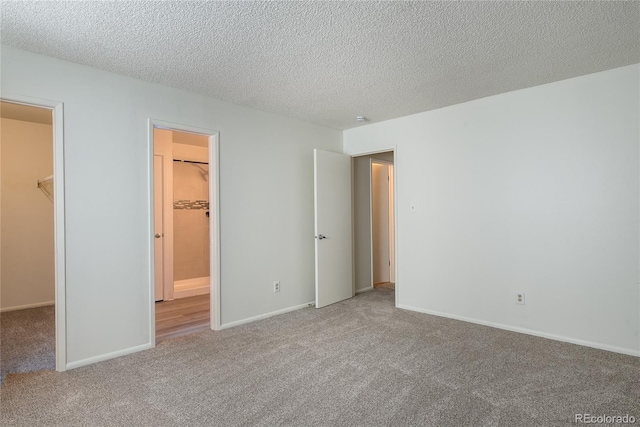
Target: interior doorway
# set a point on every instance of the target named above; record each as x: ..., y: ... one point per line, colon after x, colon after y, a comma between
x: 382, y: 224
x: 374, y: 221
x: 31, y: 237
x: 344, y: 231
x: 185, y: 230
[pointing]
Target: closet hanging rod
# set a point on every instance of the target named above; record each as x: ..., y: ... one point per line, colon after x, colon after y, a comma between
x: 190, y: 161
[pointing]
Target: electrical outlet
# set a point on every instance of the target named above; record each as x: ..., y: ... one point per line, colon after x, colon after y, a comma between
x: 520, y: 297
x: 276, y: 286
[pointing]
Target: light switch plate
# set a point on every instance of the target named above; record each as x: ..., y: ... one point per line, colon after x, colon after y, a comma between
x: 414, y: 208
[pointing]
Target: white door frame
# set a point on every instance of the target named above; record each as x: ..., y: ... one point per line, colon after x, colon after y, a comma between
x: 379, y: 162
x: 57, y: 110
x: 394, y: 149
x: 214, y: 229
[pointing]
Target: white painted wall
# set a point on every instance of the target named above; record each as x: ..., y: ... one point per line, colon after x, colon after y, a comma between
x: 362, y: 218
x: 535, y: 190
x: 27, y: 264
x: 266, y: 161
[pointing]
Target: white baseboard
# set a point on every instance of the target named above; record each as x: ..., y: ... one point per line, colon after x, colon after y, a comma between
x: 265, y: 316
x: 614, y: 349
x: 103, y: 357
x: 359, y: 291
x: 191, y: 287
x: 24, y: 307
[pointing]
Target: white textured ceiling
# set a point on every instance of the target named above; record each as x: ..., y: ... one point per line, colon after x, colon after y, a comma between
x: 327, y: 62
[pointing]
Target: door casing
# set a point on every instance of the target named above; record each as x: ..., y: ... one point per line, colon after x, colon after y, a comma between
x: 214, y: 228
x: 396, y: 270
x: 57, y: 109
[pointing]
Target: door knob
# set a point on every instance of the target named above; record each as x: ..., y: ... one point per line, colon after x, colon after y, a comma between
x: 157, y: 235
x: 320, y: 237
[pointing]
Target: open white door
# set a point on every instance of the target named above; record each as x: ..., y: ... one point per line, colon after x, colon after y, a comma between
x: 332, y: 191
x: 158, y: 190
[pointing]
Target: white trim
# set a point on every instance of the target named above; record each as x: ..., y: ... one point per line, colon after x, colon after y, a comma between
x: 192, y: 292
x: 27, y: 306
x: 266, y: 315
x: 195, y: 282
x: 359, y: 291
x: 370, y: 175
x: 392, y: 223
x: 615, y: 349
x: 354, y: 284
x: 214, y: 229
x: 368, y: 153
x: 191, y: 287
x: 152, y: 225
x: 113, y: 355
x: 395, y: 223
x: 59, y: 234
x: 382, y: 162
x: 152, y: 251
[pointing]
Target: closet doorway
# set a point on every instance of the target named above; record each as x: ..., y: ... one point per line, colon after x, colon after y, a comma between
x: 185, y: 225
x: 382, y: 224
x: 374, y: 221
x: 32, y: 237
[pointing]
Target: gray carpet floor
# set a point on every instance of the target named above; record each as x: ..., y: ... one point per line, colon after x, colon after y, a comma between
x: 361, y: 362
x: 27, y: 341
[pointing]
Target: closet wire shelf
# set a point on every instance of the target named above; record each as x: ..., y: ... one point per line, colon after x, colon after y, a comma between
x: 46, y: 185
